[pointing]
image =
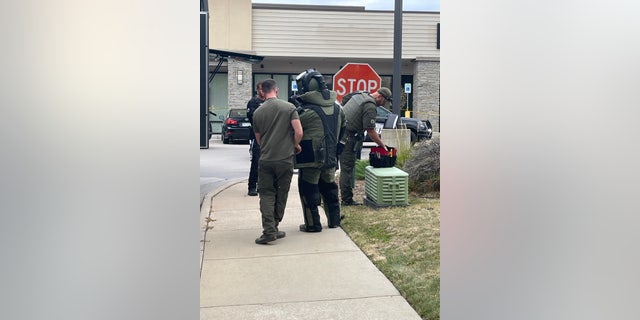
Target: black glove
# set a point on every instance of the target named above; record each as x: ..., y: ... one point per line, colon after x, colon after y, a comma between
x: 293, y: 99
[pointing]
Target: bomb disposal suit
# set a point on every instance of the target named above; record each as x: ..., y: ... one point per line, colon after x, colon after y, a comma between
x: 323, y: 124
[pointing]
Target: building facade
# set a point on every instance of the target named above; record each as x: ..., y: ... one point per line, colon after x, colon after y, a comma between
x: 293, y: 38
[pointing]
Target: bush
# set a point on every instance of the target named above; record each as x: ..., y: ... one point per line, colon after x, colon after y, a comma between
x: 402, y: 156
x: 359, y: 170
x: 423, y: 166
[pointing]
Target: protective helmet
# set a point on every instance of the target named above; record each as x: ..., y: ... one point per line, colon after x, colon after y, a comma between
x: 310, y: 80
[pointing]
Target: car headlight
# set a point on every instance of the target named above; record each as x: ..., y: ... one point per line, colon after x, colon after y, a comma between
x: 422, y: 125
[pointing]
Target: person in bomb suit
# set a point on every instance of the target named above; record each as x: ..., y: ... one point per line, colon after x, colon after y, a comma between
x: 323, y: 124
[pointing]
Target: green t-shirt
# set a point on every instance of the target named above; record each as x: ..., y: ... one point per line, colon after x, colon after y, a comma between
x: 273, y: 122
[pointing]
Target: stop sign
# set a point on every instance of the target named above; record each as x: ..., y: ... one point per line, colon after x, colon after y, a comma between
x: 355, y: 77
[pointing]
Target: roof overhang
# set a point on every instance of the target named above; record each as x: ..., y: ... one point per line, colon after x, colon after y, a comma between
x: 217, y: 55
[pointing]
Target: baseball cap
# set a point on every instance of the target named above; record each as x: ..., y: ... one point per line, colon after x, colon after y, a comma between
x: 386, y: 94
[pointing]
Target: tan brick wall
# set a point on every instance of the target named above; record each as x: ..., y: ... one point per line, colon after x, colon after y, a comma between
x: 239, y: 94
x: 426, y: 90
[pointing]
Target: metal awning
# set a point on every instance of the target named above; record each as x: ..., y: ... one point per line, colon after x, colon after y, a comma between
x: 221, y: 56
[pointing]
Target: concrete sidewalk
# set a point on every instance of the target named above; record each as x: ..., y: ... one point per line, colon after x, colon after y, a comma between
x: 302, y: 276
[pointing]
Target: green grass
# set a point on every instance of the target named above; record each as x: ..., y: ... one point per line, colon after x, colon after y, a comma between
x: 404, y: 243
x: 378, y: 232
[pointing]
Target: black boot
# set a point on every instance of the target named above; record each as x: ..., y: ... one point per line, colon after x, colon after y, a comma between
x: 310, y: 199
x: 329, y: 192
x: 305, y: 228
x: 350, y: 202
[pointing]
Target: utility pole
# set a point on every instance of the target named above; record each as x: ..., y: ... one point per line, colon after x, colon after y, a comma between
x: 397, y: 57
x: 204, y: 74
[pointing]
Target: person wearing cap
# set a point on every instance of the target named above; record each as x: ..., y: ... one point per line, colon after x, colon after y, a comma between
x: 360, y: 111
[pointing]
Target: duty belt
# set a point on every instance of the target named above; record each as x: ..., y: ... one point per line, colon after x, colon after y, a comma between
x: 359, y: 136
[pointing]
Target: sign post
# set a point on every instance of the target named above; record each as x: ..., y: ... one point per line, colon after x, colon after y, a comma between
x: 407, y: 90
x: 355, y: 77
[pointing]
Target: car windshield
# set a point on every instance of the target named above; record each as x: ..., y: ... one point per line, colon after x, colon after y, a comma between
x: 237, y: 113
x: 382, y: 112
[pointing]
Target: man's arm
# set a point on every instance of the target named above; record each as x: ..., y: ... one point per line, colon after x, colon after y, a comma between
x: 257, y: 137
x: 343, y: 125
x: 371, y: 132
x: 369, y: 119
x: 297, y: 134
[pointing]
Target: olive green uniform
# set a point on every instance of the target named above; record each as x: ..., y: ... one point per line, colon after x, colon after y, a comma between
x: 277, y: 149
x: 361, y: 113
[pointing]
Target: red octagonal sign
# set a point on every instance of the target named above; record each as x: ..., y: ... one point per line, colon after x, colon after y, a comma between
x: 355, y: 77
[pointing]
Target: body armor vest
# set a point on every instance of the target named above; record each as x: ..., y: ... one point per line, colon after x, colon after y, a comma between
x: 319, y: 149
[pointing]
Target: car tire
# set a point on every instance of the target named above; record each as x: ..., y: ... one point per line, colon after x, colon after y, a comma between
x: 225, y: 139
x: 414, y: 137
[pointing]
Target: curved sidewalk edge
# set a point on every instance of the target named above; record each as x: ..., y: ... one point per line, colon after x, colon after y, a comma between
x: 321, y: 275
x: 206, y: 221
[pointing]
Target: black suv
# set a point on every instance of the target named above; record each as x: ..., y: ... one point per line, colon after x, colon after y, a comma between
x: 419, y: 129
x: 236, y: 127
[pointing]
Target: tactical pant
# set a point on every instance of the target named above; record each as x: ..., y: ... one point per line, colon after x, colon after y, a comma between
x: 255, y: 159
x: 315, y: 186
x: 330, y: 201
x: 274, y: 181
x: 352, y: 148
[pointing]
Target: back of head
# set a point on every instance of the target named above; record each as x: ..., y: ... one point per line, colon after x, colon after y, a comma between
x: 268, y: 85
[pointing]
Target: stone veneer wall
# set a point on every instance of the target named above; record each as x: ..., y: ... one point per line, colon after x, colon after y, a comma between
x: 239, y: 94
x: 426, y: 90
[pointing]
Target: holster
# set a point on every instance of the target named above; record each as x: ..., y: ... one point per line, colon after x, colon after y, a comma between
x: 357, y: 143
